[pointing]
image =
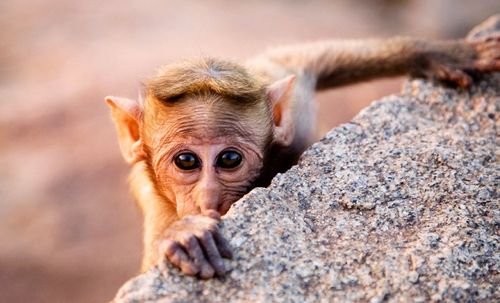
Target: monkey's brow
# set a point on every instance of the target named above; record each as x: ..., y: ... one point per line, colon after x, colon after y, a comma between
x: 168, y: 149
x: 223, y: 127
x: 174, y: 146
x: 179, y: 144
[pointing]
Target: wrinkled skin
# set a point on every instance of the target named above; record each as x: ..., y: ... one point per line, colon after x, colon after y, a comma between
x: 201, y: 195
x: 207, y: 187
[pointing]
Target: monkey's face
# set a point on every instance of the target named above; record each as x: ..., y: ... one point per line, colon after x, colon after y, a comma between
x: 206, y: 174
x: 203, y: 130
x: 204, y: 160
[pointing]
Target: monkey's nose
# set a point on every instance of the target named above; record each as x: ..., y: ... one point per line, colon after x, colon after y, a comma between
x: 208, y: 199
x: 208, y: 190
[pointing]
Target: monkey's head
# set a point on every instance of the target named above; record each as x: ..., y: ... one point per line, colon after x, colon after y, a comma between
x: 204, y: 130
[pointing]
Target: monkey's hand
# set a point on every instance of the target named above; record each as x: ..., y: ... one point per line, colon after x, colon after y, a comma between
x: 195, y: 245
x: 456, y: 61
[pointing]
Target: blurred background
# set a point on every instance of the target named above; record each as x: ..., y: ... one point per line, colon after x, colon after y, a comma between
x: 69, y: 230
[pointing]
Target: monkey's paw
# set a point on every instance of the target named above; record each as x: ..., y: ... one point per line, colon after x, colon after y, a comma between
x: 478, y: 55
x: 195, y: 245
x: 487, y: 53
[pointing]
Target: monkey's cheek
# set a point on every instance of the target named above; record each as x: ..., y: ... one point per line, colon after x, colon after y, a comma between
x: 224, y: 208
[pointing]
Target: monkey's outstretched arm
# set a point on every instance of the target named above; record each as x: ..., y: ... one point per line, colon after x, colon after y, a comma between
x: 342, y: 62
x: 158, y: 213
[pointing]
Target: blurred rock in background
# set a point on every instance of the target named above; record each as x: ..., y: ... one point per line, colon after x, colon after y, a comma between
x: 69, y: 230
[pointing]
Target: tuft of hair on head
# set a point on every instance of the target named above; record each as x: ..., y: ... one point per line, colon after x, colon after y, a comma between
x: 229, y: 90
x: 206, y: 76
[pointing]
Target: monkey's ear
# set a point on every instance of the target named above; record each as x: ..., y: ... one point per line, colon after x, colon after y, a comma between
x: 126, y: 114
x: 280, y: 96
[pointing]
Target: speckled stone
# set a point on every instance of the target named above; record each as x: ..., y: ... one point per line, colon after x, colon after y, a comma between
x: 399, y: 205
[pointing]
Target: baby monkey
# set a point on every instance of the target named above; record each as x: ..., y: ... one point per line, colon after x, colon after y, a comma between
x: 209, y: 130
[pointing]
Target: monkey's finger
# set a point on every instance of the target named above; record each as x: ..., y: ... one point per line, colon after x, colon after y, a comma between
x: 487, y: 65
x: 460, y: 78
x: 454, y: 75
x: 212, y: 253
x: 482, y: 47
x: 486, y: 39
x: 224, y: 247
x: 489, y: 51
x: 175, y: 254
x: 492, y: 38
x: 489, y: 45
x: 196, y: 253
x: 491, y: 54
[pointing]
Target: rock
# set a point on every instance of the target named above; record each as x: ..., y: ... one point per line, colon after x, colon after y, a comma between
x: 401, y: 204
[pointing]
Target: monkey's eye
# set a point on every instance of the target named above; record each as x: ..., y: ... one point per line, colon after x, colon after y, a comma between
x: 229, y: 159
x: 187, y: 161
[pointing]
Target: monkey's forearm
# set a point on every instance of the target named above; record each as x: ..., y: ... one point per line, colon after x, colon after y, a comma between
x: 158, y: 213
x: 336, y: 63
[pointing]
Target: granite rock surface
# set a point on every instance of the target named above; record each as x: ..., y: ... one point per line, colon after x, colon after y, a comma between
x: 399, y: 205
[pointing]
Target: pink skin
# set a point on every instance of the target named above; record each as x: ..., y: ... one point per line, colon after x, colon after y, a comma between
x: 194, y: 243
x: 208, y: 187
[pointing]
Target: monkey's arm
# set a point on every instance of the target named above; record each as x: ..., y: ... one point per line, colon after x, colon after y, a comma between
x: 342, y: 62
x: 158, y: 213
